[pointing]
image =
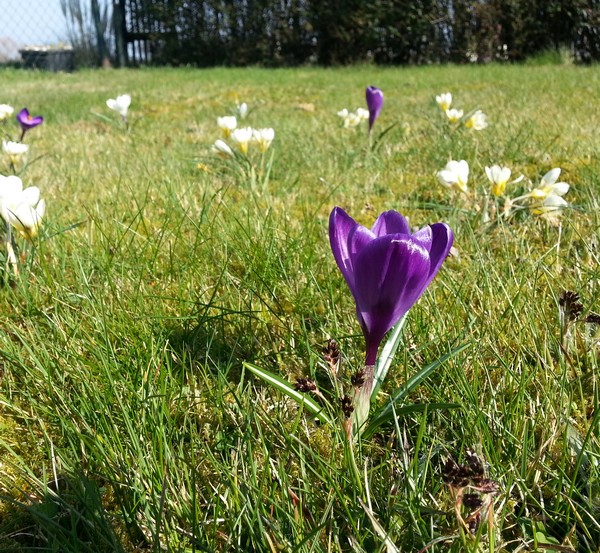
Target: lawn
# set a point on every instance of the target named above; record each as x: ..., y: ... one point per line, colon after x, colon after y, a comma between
x: 131, y: 418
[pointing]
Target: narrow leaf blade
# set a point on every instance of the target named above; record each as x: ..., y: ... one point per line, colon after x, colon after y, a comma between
x: 385, y: 412
x: 387, y: 356
x: 285, y: 387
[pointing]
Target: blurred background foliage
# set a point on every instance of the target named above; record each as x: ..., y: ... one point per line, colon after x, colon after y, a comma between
x: 338, y: 32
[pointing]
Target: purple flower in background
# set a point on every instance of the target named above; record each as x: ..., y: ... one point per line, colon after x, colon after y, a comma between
x: 386, y: 268
x: 27, y: 121
x: 374, y: 103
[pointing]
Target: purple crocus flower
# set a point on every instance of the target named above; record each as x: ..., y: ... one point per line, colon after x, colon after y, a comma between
x: 387, y: 268
x: 27, y: 121
x: 374, y: 103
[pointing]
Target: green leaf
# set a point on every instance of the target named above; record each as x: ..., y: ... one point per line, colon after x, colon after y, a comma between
x: 284, y: 386
x: 387, y: 355
x: 379, y: 420
x: 378, y: 141
x: 386, y: 412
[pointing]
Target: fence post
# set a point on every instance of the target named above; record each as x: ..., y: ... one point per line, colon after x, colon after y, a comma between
x: 120, y: 30
x: 101, y: 43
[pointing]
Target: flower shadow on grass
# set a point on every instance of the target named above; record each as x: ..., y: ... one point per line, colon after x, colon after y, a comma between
x: 206, y: 343
x: 66, y: 513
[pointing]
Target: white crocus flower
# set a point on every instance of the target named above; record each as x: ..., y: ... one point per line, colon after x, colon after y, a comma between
x: 242, y: 138
x: 550, y: 205
x: 353, y: 120
x: 6, y: 111
x: 444, y: 100
x: 14, y: 150
x: 455, y: 175
x: 362, y: 114
x: 549, y: 186
x: 222, y: 149
x: 20, y: 208
x: 454, y: 115
x: 26, y: 218
x: 242, y: 110
x: 477, y: 121
x: 547, y: 197
x: 120, y: 104
x: 227, y: 124
x: 264, y: 138
x: 498, y: 177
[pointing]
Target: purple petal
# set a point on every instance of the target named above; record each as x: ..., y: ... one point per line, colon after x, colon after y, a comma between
x: 441, y: 239
x: 347, y: 239
x: 390, y: 222
x: 374, y: 98
x: 390, y: 275
x: 27, y: 121
x: 424, y: 237
x: 23, y: 115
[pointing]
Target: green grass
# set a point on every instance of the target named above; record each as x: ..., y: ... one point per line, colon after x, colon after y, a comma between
x: 127, y: 420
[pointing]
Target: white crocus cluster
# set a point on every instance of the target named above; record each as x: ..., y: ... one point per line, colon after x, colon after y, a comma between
x: 546, y: 199
x: 21, y: 208
x: 241, y: 137
x: 353, y: 118
x: 476, y: 121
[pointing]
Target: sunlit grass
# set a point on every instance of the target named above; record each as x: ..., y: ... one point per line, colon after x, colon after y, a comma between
x: 127, y: 420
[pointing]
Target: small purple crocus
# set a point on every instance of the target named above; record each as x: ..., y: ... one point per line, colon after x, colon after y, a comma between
x: 387, y: 268
x: 374, y: 103
x: 27, y: 121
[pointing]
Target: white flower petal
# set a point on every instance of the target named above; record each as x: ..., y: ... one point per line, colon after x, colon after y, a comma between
x: 550, y: 177
x: 30, y: 196
x: 559, y: 189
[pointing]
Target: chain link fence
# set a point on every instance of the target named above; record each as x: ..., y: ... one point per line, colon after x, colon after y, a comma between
x: 83, y: 28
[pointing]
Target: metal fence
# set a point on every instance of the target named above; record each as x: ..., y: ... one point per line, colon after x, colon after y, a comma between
x: 42, y: 25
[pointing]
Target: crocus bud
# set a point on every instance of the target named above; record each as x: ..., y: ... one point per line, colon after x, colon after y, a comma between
x: 374, y: 103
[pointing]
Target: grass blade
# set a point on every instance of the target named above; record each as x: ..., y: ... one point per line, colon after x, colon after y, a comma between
x: 286, y: 388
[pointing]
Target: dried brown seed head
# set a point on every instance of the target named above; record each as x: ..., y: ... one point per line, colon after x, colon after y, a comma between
x: 570, y: 305
x: 593, y: 318
x: 358, y: 378
x: 472, y: 501
x: 305, y: 385
x: 347, y: 407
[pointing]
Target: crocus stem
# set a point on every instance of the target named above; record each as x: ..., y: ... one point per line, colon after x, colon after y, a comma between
x: 353, y: 466
x: 491, y: 528
x: 362, y: 399
x: 23, y: 131
x: 11, y: 258
x: 523, y: 197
